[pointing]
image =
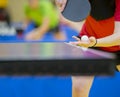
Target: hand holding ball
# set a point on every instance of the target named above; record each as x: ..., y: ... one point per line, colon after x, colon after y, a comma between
x: 85, y: 38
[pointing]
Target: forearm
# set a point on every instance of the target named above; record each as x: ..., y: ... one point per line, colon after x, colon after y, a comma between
x: 108, y: 41
x: 44, y: 27
x: 111, y: 40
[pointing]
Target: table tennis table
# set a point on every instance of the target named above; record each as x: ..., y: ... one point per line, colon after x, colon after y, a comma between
x: 53, y: 58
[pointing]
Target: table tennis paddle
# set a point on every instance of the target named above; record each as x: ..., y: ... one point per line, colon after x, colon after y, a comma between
x: 76, y: 10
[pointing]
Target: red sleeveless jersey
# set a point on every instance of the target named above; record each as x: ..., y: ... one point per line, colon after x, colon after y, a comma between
x: 102, y: 28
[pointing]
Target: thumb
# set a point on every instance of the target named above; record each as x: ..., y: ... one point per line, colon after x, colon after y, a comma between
x: 92, y: 39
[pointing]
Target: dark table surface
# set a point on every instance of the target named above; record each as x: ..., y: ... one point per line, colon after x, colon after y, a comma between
x: 53, y: 59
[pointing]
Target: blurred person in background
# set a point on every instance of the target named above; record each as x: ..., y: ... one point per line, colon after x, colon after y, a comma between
x: 4, y: 15
x: 45, y: 18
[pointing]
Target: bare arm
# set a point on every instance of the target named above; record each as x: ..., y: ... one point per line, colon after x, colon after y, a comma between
x: 111, y: 40
x: 38, y: 33
x: 45, y: 26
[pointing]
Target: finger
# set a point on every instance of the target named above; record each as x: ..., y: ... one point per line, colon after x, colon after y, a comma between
x: 83, y: 44
x: 74, y: 43
x: 92, y: 39
x: 63, y: 5
x: 76, y: 38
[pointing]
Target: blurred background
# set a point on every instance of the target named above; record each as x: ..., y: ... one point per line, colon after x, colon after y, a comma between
x: 22, y: 19
x: 12, y: 17
x: 16, y: 9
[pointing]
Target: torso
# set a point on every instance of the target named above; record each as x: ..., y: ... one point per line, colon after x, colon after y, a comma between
x: 102, y: 28
x: 45, y: 9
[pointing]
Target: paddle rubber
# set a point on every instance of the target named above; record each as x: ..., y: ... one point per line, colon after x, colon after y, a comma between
x: 76, y: 10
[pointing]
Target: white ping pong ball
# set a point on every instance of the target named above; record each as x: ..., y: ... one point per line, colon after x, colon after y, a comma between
x: 84, y: 38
